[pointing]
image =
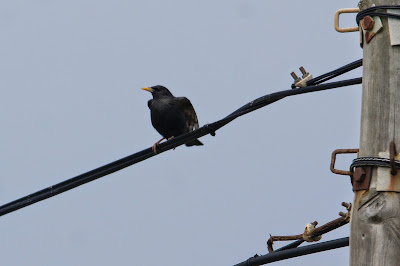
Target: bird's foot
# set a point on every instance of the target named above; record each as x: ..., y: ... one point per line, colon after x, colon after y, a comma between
x: 170, y: 139
x: 154, y: 147
x: 156, y: 144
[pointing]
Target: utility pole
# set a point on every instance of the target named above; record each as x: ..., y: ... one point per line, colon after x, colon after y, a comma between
x: 375, y: 218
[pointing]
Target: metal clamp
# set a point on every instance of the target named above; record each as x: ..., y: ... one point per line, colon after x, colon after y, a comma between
x: 388, y: 177
x: 345, y: 10
x: 333, y: 160
x: 301, y: 82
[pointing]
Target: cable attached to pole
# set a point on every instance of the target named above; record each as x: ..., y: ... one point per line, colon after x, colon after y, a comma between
x: 175, y: 142
x: 371, y: 11
x: 335, y: 73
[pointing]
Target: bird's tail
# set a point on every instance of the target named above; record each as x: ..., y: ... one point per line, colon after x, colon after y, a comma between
x: 195, y: 142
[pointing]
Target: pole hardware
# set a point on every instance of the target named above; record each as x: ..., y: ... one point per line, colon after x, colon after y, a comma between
x: 361, y: 178
x: 301, y: 82
x: 336, y: 22
x: 393, y: 153
x: 388, y: 176
x: 312, y: 232
x: 360, y: 175
x: 333, y: 160
x: 295, y: 77
x: 370, y: 26
x: 387, y: 165
x: 370, y: 22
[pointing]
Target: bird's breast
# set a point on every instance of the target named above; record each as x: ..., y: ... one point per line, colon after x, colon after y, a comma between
x: 167, y: 118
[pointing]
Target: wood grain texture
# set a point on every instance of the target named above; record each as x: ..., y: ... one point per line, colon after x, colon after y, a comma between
x: 375, y: 221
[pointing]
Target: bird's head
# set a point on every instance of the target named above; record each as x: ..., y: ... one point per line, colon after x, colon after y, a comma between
x: 158, y: 91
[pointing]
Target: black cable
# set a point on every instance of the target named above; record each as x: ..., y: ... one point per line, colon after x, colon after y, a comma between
x: 371, y: 12
x: 270, y: 98
x: 373, y: 161
x: 295, y: 252
x: 334, y: 73
x: 175, y: 142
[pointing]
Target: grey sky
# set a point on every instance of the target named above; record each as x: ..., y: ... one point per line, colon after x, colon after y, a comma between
x: 71, y: 73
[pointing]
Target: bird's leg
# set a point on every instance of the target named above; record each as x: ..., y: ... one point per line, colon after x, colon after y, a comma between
x: 155, y: 145
x: 170, y: 139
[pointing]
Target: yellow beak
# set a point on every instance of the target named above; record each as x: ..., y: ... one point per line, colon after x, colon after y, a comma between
x: 148, y: 89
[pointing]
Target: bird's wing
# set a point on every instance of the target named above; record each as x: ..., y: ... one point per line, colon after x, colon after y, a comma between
x: 188, y: 110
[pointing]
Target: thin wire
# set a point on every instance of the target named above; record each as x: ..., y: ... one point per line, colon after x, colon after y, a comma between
x: 175, y: 142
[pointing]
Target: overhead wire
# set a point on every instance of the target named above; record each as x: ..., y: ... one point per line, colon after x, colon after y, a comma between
x: 295, y: 252
x: 332, y: 225
x: 175, y: 142
x: 337, y: 72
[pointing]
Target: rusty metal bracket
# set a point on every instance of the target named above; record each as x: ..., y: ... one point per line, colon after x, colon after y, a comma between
x: 360, y: 176
x: 370, y: 26
x: 333, y: 160
x: 311, y: 232
x: 336, y: 23
x: 388, y: 178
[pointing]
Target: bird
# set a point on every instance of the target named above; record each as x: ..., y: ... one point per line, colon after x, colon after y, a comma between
x: 171, y: 116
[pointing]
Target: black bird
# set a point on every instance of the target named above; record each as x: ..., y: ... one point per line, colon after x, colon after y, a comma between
x: 171, y: 116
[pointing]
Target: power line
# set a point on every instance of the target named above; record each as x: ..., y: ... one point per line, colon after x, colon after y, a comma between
x: 295, y: 252
x: 175, y: 142
x: 330, y: 226
x: 330, y: 75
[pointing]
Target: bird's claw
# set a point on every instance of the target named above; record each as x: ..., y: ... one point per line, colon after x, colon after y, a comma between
x: 170, y: 139
x: 154, y: 148
x: 156, y: 144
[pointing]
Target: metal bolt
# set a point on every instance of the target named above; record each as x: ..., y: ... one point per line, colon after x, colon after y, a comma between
x: 342, y: 214
x: 368, y: 23
x: 359, y: 174
x: 315, y: 223
x: 295, y: 77
x: 303, y: 71
x: 345, y: 204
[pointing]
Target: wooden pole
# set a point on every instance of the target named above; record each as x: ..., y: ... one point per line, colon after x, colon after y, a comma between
x: 375, y: 220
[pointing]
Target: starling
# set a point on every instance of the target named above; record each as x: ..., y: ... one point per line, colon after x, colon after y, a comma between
x: 171, y: 116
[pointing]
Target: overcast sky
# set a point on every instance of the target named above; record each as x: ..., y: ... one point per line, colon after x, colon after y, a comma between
x: 70, y: 76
